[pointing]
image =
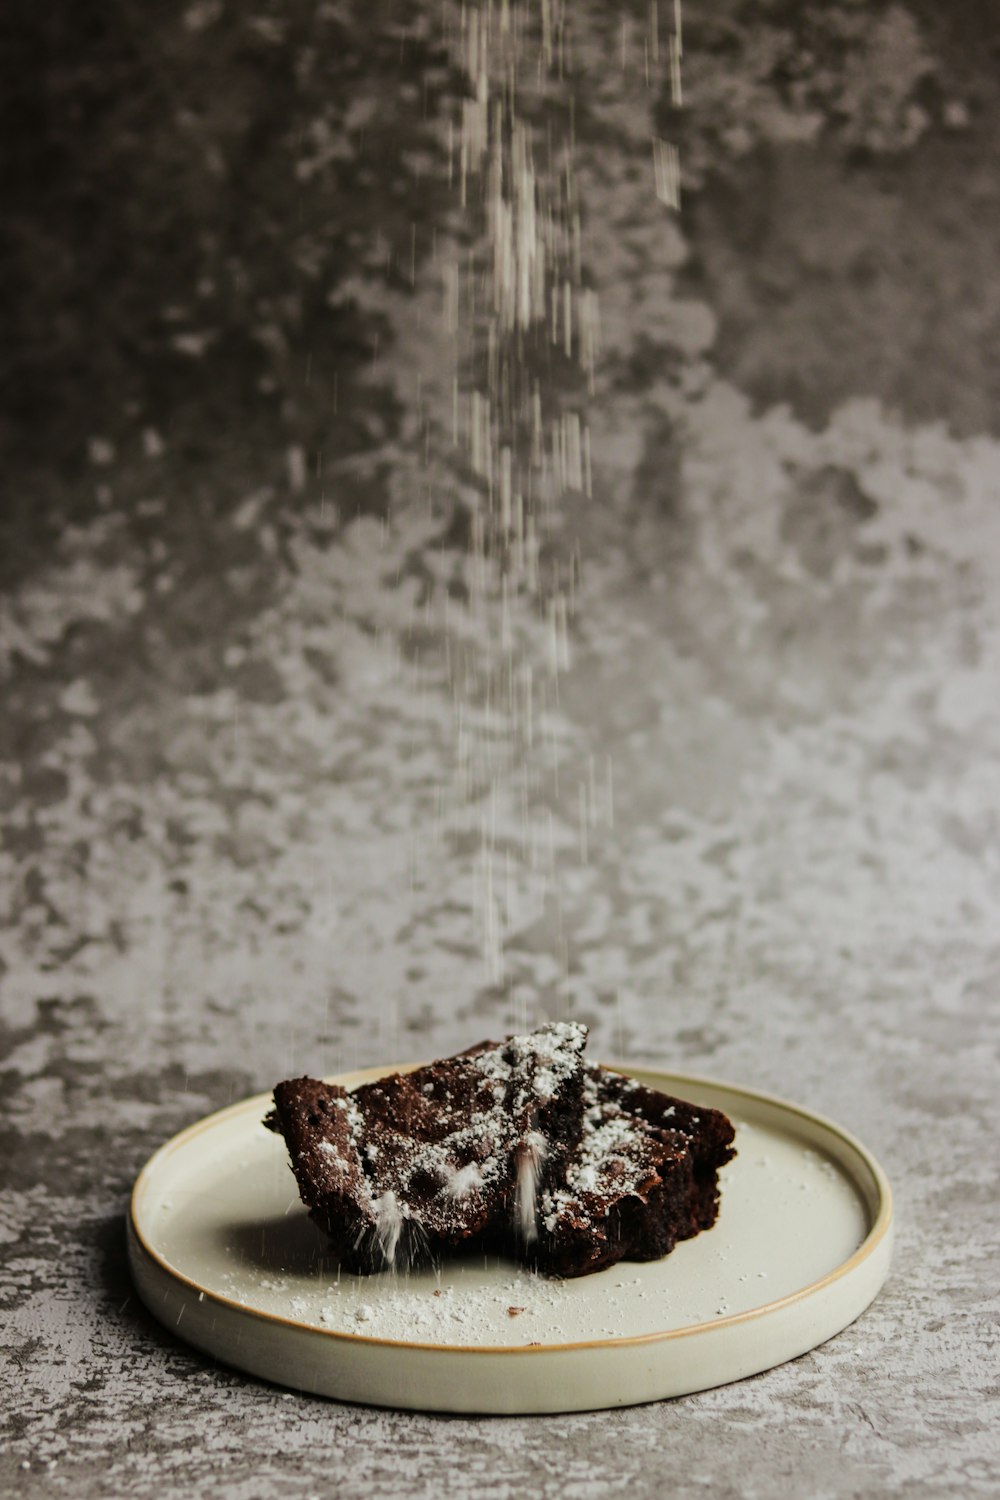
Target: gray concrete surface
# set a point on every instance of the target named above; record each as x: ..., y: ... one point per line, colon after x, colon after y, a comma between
x: 229, y: 751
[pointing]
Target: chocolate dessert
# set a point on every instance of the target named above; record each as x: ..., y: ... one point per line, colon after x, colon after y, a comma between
x: 643, y: 1175
x: 518, y: 1146
x: 400, y: 1170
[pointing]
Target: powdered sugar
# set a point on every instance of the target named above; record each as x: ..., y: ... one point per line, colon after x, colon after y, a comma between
x: 466, y: 1310
x: 467, y: 1179
x: 611, y: 1160
x: 389, y: 1216
x: 529, y: 1163
x: 607, y: 1150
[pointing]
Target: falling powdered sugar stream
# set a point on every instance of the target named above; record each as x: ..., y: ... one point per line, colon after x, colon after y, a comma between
x: 522, y: 319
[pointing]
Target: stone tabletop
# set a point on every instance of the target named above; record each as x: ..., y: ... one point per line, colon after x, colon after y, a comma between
x: 294, y: 776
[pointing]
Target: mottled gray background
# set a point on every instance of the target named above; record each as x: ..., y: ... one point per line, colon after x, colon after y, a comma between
x: 230, y: 523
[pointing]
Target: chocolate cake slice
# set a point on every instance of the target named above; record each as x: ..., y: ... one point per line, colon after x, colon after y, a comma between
x: 643, y: 1175
x: 518, y: 1146
x: 708, y: 1132
x: 399, y: 1170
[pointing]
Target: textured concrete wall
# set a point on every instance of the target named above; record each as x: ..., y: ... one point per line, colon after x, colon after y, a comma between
x: 228, y: 727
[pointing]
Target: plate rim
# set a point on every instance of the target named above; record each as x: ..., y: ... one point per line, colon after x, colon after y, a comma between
x: 880, y: 1227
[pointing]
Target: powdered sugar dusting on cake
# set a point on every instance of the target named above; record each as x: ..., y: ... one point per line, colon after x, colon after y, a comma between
x: 606, y: 1156
x: 427, y: 1176
x: 465, y: 1180
x: 612, y: 1157
x: 543, y: 1060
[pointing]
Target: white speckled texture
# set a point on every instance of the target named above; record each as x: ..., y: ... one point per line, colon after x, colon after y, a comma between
x: 226, y: 723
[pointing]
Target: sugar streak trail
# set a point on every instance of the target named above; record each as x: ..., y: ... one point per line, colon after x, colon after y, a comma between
x: 524, y: 327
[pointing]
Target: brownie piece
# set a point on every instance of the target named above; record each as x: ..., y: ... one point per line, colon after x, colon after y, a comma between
x: 517, y: 1146
x: 402, y: 1169
x: 708, y: 1132
x: 644, y: 1175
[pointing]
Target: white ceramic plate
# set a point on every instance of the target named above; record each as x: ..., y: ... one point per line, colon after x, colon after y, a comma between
x: 223, y: 1253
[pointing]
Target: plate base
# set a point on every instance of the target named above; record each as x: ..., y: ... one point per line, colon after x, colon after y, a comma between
x: 223, y: 1253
